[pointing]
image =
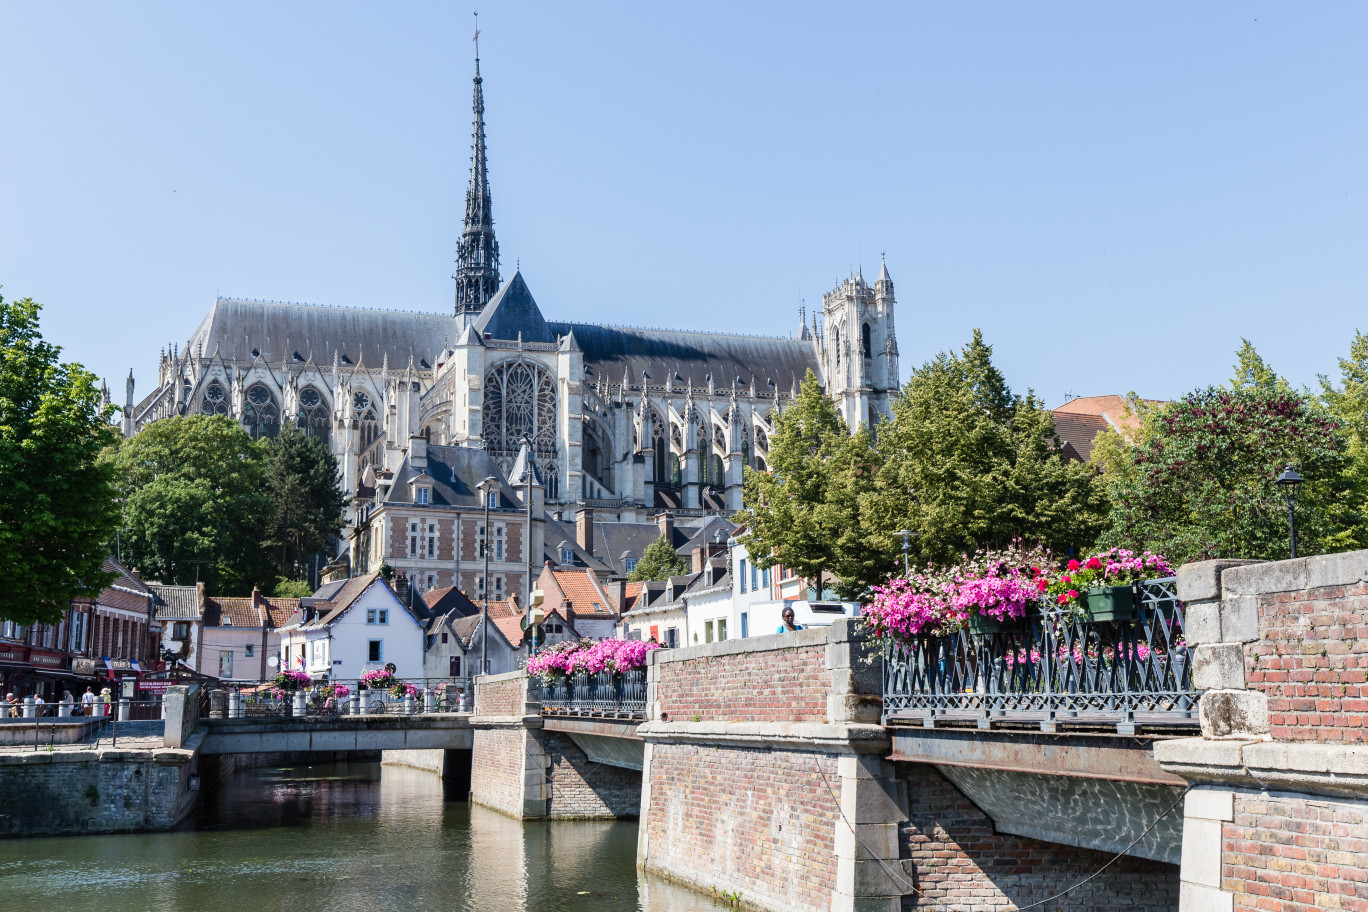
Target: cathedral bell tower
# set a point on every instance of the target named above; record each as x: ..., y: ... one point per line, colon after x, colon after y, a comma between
x: 857, y: 348
x: 477, y: 254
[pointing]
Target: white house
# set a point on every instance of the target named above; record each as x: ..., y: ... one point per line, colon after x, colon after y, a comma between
x: 758, y: 598
x: 351, y: 627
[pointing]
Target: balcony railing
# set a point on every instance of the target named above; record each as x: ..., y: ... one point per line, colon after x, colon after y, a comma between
x: 1051, y: 669
x: 608, y: 695
x: 245, y: 701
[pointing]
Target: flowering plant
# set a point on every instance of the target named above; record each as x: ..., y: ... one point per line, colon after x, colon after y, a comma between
x: 910, y: 606
x: 569, y: 658
x: 336, y: 691
x: 290, y: 681
x: 378, y: 680
x: 999, y: 584
x: 1117, y: 567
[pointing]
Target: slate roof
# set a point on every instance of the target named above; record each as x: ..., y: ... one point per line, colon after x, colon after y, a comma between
x: 176, y: 603
x: 611, y: 351
x: 443, y: 602
x: 512, y: 311
x: 613, y: 540
x: 455, y: 472
x: 234, y: 327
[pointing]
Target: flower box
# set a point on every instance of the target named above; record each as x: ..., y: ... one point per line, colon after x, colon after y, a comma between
x: 1111, y: 603
x: 982, y: 623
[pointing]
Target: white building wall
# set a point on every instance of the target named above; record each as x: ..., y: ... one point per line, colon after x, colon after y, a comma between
x: 401, y: 638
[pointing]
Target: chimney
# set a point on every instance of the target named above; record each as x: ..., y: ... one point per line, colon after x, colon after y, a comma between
x: 665, y: 521
x: 418, y: 453
x: 584, y: 529
x: 700, y: 558
x: 622, y: 596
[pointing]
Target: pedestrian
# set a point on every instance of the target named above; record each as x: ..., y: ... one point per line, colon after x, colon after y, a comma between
x: 14, y: 705
x: 67, y: 701
x: 788, y: 626
x: 88, y: 702
x: 39, y: 704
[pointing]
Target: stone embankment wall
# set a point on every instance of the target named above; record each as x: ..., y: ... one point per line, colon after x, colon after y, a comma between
x: 1277, y: 819
x: 581, y: 789
x: 74, y: 791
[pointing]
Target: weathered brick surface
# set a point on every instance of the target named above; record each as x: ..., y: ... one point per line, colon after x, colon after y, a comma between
x: 1312, y: 662
x: 1288, y: 853
x: 57, y: 795
x: 496, y: 772
x: 754, y: 821
x: 500, y: 698
x: 779, y: 685
x: 580, y: 788
x: 954, y: 856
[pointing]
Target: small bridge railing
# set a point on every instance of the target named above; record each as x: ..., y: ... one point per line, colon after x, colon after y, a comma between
x: 336, y: 698
x: 606, y: 694
x: 1053, y: 668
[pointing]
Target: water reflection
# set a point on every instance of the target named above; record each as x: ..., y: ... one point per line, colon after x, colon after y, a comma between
x: 339, y: 837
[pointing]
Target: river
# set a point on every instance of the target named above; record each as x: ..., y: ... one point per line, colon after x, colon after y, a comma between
x: 341, y: 837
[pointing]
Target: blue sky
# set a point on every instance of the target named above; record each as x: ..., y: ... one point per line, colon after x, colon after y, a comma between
x: 1114, y: 193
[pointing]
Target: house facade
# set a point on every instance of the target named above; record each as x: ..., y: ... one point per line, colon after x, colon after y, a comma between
x: 349, y: 628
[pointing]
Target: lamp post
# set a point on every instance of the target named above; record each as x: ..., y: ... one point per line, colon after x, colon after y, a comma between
x: 486, y: 488
x: 1289, y: 481
x: 906, y: 536
x: 527, y: 543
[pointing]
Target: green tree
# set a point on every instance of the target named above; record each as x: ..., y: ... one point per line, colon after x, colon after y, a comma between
x: 307, y: 502
x: 967, y: 464
x: 195, y: 504
x: 792, y: 514
x: 1348, y: 405
x: 292, y: 588
x: 57, y: 512
x: 1203, y: 485
x: 1252, y: 372
x: 659, y: 561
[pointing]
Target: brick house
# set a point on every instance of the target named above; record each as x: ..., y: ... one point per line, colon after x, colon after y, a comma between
x: 239, y: 634
x: 587, y: 603
x: 426, y: 520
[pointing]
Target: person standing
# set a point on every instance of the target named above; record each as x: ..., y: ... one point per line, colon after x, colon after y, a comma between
x: 88, y: 702
x: 788, y: 626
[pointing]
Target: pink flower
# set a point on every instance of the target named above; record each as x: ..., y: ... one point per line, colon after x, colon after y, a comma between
x: 1094, y: 564
x: 1073, y: 565
x: 1065, y: 578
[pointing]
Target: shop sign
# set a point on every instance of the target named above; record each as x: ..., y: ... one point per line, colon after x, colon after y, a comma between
x: 156, y: 687
x: 87, y: 666
x: 48, y: 661
x: 11, y: 655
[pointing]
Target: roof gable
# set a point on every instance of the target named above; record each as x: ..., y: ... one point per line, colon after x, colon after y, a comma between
x: 512, y: 314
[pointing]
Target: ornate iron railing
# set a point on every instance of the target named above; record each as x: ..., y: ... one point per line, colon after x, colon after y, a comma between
x: 621, y: 694
x: 1052, y: 668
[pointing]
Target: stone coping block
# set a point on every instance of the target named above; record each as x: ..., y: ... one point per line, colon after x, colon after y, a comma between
x: 1200, y: 581
x: 503, y: 676
x: 1336, y: 770
x: 536, y: 721
x: 823, y: 737
x: 1347, y: 569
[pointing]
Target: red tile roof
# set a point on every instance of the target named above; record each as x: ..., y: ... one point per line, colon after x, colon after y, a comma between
x: 581, y: 588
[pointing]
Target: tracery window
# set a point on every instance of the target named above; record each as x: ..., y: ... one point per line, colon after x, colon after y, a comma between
x: 313, y: 418
x: 864, y: 339
x: 520, y: 402
x: 260, y: 414
x: 660, y: 456
x: 366, y: 420
x: 215, y: 399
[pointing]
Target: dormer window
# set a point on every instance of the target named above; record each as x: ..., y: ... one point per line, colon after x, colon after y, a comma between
x: 422, y: 495
x: 227, y: 622
x: 493, y: 500
x: 567, y: 555
x: 630, y: 564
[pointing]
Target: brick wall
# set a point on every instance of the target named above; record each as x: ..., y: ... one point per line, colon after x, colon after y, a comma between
x: 497, y: 769
x: 1287, y: 853
x: 954, y: 856
x: 500, y: 697
x: 755, y: 821
x: 778, y: 685
x: 1312, y: 662
x: 71, y: 792
x: 580, y: 788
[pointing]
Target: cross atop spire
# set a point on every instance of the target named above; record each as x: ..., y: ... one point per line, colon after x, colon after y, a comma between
x: 477, y: 254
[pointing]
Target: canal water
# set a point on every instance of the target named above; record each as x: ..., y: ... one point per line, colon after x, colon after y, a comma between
x: 341, y: 837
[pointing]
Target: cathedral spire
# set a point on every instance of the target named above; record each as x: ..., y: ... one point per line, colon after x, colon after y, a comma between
x: 477, y: 254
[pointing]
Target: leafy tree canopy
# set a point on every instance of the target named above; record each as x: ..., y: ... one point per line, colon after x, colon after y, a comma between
x: 1252, y: 372
x: 794, y: 513
x: 292, y: 588
x: 57, y: 512
x: 659, y: 561
x: 307, y: 502
x: 195, y: 504
x: 1202, y: 486
x: 968, y: 464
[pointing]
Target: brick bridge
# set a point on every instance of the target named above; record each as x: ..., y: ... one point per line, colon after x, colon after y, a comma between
x: 1207, y: 755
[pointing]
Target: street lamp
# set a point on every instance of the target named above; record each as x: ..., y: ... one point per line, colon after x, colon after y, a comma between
x: 906, y: 535
x: 486, y: 489
x: 1289, y: 481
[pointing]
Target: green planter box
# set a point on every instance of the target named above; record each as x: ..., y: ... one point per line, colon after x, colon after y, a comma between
x: 982, y: 623
x: 1112, y: 603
